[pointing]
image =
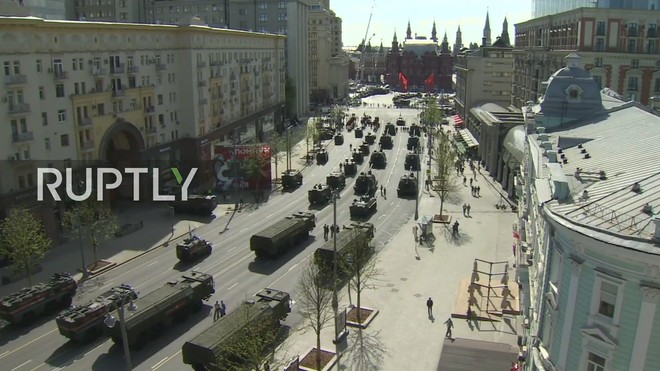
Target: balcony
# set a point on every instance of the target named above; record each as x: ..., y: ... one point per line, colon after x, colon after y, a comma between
x: 22, y: 137
x: 87, y: 121
x: 652, y: 33
x: 133, y: 69
x: 149, y: 109
x: 201, y: 83
x: 161, y: 67
x: 87, y: 145
x: 98, y: 71
x: 201, y: 64
x: 117, y: 69
x: 632, y: 32
x: 15, y: 80
x: 60, y: 75
x: 216, y: 63
x: 118, y: 93
x: 203, y: 101
x: 150, y: 130
x: 18, y: 108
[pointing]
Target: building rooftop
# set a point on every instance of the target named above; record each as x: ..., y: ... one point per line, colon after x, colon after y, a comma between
x: 420, y: 47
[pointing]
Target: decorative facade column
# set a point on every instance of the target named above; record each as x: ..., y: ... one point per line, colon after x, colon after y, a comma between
x: 651, y: 296
x: 576, y: 268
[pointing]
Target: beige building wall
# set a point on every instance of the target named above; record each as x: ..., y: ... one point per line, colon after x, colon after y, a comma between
x: 328, y: 66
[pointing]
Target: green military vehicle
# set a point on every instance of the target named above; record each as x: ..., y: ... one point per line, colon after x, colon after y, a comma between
x: 322, y: 157
x: 363, y: 207
x: 350, y: 167
x: 336, y: 180
x: 326, y: 133
x: 415, y: 130
x: 413, y: 143
x: 365, y: 184
x: 412, y: 162
x: 390, y: 129
x: 276, y: 239
x: 364, y: 148
x: 196, y: 204
x: 85, y: 323
x: 378, y: 160
x: 400, y: 121
x: 386, y: 142
x: 24, y: 306
x: 291, y: 179
x: 407, y: 186
x: 359, y: 133
x: 358, y: 156
x: 324, y: 256
x: 193, y: 248
x: 370, y: 138
x: 320, y: 194
x: 157, y: 310
x: 339, y: 139
x: 264, y: 312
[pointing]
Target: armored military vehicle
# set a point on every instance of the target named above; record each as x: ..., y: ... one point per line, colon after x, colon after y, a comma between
x: 158, y: 309
x: 85, y: 323
x: 412, y: 162
x: 320, y: 194
x: 326, y: 133
x: 276, y: 239
x: 23, y: 306
x: 350, y: 125
x: 364, y: 148
x: 322, y: 156
x: 365, y: 184
x: 339, y: 139
x: 291, y: 179
x: 390, y: 129
x: 350, y: 167
x: 358, y: 156
x: 386, y: 141
x: 265, y: 311
x: 324, y: 256
x: 196, y: 204
x: 370, y: 138
x: 378, y: 160
x: 336, y: 180
x: 415, y: 130
x: 400, y: 121
x: 359, y: 133
x: 413, y: 143
x: 193, y: 248
x: 363, y: 207
x: 407, y: 186
x: 376, y: 121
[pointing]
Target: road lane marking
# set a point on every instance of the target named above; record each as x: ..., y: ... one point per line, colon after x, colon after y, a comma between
x: 232, y: 286
x: 21, y: 365
x: 43, y: 364
x: 26, y: 344
x: 150, y: 264
x: 159, y: 363
x: 4, y: 354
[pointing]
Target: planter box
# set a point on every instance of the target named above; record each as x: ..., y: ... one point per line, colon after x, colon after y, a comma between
x: 329, y: 365
x: 365, y: 321
x: 446, y: 219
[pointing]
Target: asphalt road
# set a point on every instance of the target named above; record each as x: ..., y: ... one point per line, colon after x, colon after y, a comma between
x: 237, y: 275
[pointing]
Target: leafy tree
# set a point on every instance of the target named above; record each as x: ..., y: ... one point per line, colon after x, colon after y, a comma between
x: 432, y: 114
x: 93, y: 219
x: 253, y: 166
x: 23, y: 240
x: 278, y: 149
x: 315, y: 303
x: 337, y: 114
x: 445, y: 182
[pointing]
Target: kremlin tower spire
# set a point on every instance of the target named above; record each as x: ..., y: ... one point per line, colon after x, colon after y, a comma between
x: 458, y: 44
x: 485, y: 41
x: 434, y: 33
x: 408, y: 32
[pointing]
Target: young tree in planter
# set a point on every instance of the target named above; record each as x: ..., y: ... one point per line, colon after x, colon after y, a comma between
x: 253, y: 168
x: 93, y: 219
x: 432, y: 113
x: 23, y: 240
x: 337, y: 115
x: 356, y: 262
x: 445, y: 182
x: 315, y: 304
x: 278, y: 149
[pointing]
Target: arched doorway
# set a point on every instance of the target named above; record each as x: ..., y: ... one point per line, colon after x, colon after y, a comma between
x: 120, y: 148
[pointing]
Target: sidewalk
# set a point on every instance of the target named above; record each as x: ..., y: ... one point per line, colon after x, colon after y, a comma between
x: 402, y: 336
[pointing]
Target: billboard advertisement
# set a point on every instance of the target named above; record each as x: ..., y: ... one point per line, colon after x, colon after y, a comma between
x: 229, y: 164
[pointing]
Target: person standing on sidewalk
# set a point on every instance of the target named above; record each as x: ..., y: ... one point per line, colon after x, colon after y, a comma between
x: 450, y: 325
x: 429, y: 306
x: 469, y: 314
x: 468, y: 207
x: 216, y: 311
x: 223, y: 308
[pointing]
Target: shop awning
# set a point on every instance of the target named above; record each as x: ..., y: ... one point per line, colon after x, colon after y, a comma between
x: 467, y: 137
x: 457, y: 119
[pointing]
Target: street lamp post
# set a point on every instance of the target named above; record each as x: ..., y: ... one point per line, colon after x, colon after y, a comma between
x: 82, y: 250
x: 111, y: 321
x: 335, y: 299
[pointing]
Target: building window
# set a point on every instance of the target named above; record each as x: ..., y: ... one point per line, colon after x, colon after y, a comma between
x: 595, y: 362
x: 38, y: 65
x: 281, y: 5
x: 44, y: 118
x: 600, y: 45
x: 607, y: 301
x: 21, y: 182
x: 633, y: 31
x: 42, y: 93
x: 651, y: 30
x: 608, y: 294
x: 657, y: 84
x: 263, y: 17
x: 634, y: 63
x: 242, y: 11
x: 650, y: 47
x: 633, y: 82
x: 632, y: 46
x: 59, y: 90
x: 600, y: 29
x: 263, y: 5
x: 64, y: 140
x: 598, y: 62
x: 599, y: 81
x: 281, y: 17
x: 61, y: 115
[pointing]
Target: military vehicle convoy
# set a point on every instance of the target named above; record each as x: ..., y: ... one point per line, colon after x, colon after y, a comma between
x: 339, y: 139
x: 358, y: 156
x: 413, y: 143
x: 386, y: 141
x: 390, y: 129
x: 365, y: 184
x: 265, y: 310
x: 350, y: 167
x: 85, y: 323
x: 370, y: 138
x: 320, y: 194
x: 363, y: 207
x: 158, y: 309
x: 322, y: 156
x: 359, y: 133
x: 276, y: 239
x: 193, y: 248
x: 196, y: 204
x: 407, y: 186
x: 364, y: 148
x: 412, y: 162
x: 336, y: 180
x: 24, y: 306
x: 324, y: 256
x: 415, y: 130
x: 291, y: 179
x: 378, y: 160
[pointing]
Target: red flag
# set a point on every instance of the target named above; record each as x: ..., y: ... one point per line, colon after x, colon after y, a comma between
x: 430, y: 81
x: 516, y: 235
x: 403, y: 80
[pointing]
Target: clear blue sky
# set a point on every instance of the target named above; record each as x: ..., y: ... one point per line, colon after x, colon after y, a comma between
x: 389, y: 15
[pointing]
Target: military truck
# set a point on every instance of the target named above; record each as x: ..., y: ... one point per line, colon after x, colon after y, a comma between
x: 363, y: 207
x: 359, y: 133
x: 413, y: 143
x: 276, y: 239
x: 364, y: 148
x: 412, y: 162
x: 326, y: 133
x: 390, y: 129
x: 322, y: 156
x: 160, y: 308
x: 370, y: 138
x: 291, y: 179
x: 386, y: 141
x: 324, y: 256
x: 339, y: 139
x: 378, y: 160
x: 358, y: 156
x: 400, y: 121
x: 193, y: 248
x: 415, y: 130
x: 350, y: 167
x: 196, y: 204
x: 85, y: 323
x: 365, y: 184
x: 320, y: 194
x: 407, y: 186
x: 264, y: 312
x: 336, y: 180
x: 24, y: 306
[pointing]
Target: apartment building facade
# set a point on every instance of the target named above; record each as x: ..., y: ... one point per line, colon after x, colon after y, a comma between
x: 46, y: 9
x: 541, y: 8
x: 130, y: 95
x: 620, y: 48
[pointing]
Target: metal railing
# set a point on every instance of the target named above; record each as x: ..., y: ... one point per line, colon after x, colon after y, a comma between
x: 22, y: 137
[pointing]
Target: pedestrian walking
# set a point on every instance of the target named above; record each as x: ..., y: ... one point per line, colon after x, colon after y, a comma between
x: 381, y: 190
x: 464, y: 180
x: 326, y: 230
x: 216, y: 311
x: 471, y: 180
x: 464, y: 209
x: 385, y: 192
x: 429, y: 306
x: 468, y: 207
x: 469, y: 314
x: 478, y: 191
x: 455, y: 228
x: 450, y: 325
x: 473, y: 190
x: 223, y: 308
x: 415, y: 232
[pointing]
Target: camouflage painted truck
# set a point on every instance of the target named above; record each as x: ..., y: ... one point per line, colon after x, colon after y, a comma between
x: 157, y: 310
x: 263, y: 312
x: 25, y: 305
x: 193, y: 248
x: 278, y: 238
x: 85, y: 323
x: 324, y: 255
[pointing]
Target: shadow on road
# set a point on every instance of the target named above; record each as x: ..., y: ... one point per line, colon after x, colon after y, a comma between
x: 10, y: 332
x: 267, y: 266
